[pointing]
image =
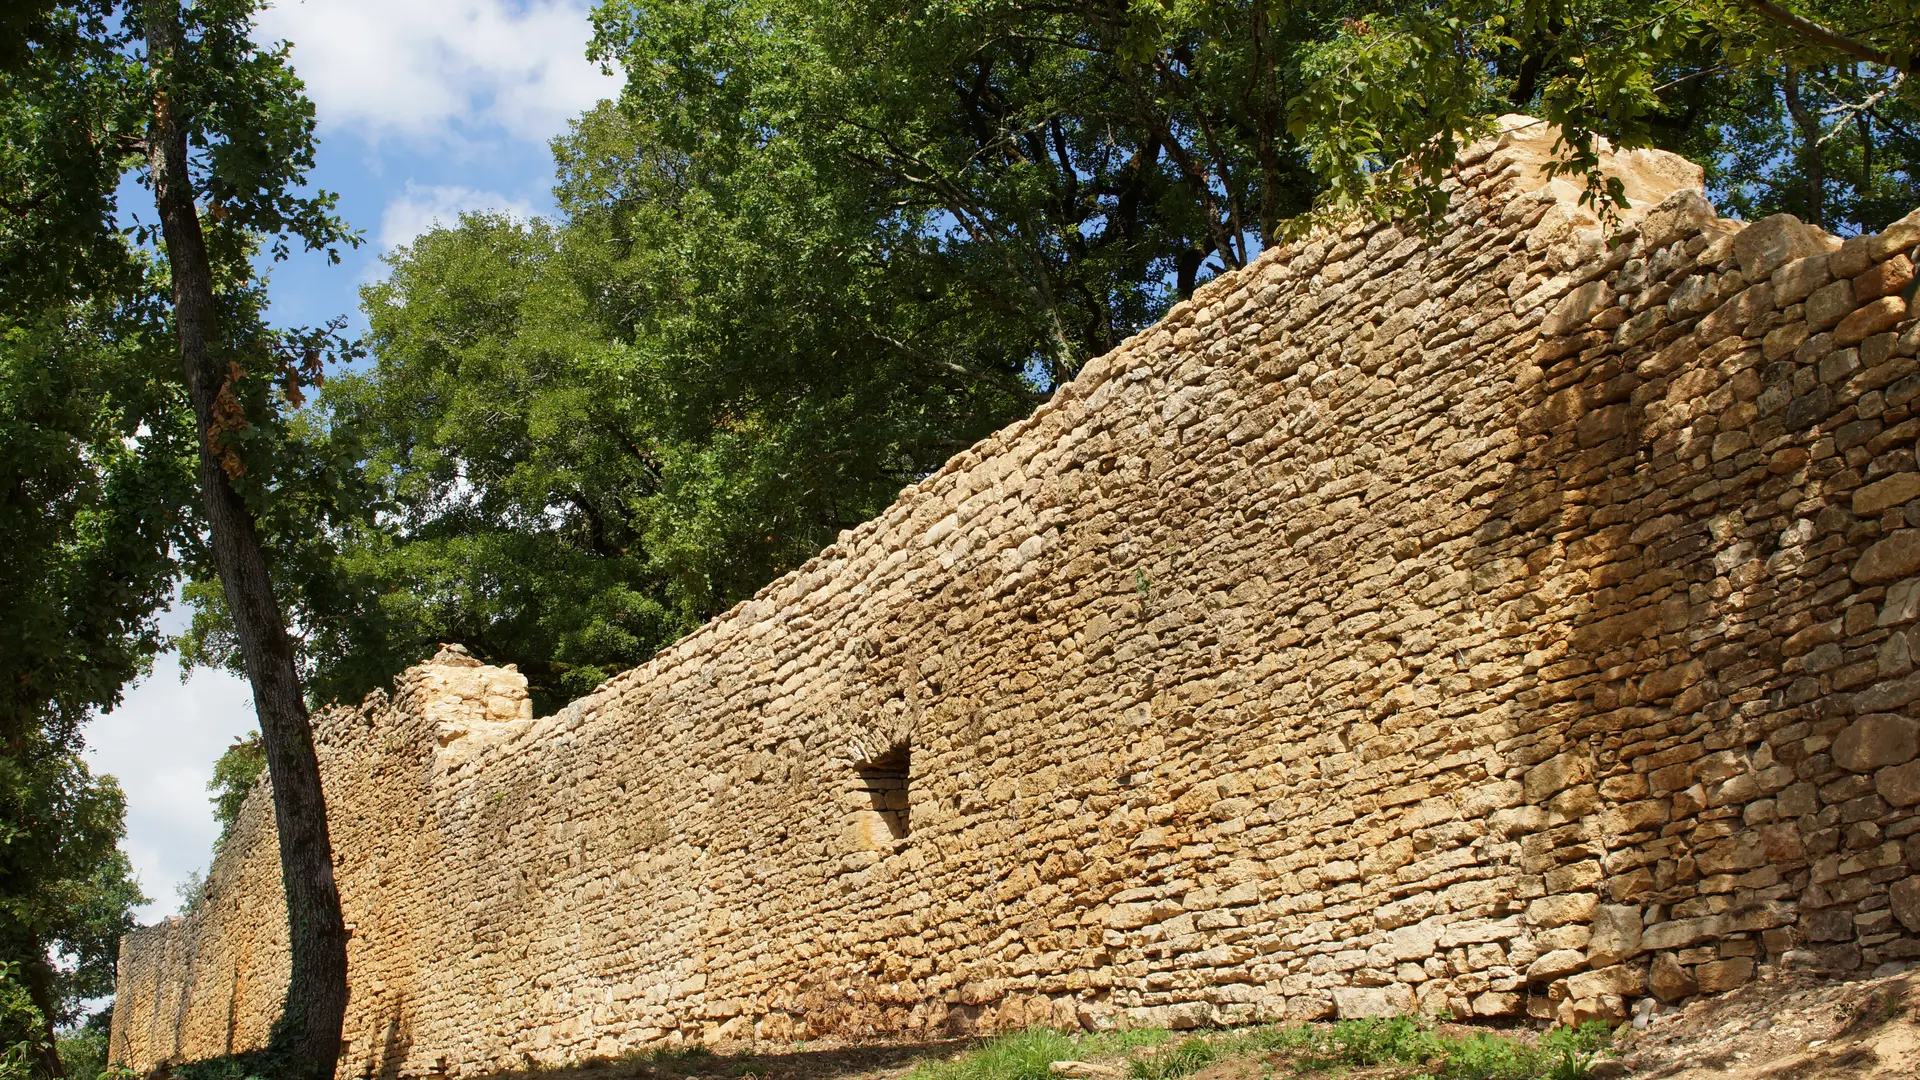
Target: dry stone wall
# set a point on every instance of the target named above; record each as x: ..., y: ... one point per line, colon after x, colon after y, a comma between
x: 1510, y: 621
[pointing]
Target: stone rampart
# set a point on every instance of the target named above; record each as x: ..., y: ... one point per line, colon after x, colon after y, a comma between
x: 1506, y: 621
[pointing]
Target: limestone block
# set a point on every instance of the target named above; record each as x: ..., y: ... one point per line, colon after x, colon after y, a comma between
x: 1883, y: 494
x: 1680, y: 933
x: 1796, y: 280
x: 1897, y: 237
x: 1574, y: 309
x: 1882, y: 314
x: 1905, y: 897
x: 1894, y: 557
x: 1829, y: 304
x: 1625, y: 980
x: 1561, y: 910
x: 1616, y: 934
x: 1772, y: 242
x: 1716, y: 976
x: 1877, y: 739
x: 1883, y: 279
x: 1554, y: 964
x: 1899, y: 784
x: 1358, y: 1002
x: 1560, y: 772
x: 1670, y: 981
x: 1680, y: 216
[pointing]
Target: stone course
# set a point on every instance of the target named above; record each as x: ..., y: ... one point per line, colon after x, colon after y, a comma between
x: 1517, y: 620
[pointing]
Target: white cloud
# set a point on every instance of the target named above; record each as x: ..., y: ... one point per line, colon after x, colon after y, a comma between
x: 421, y: 207
x: 161, y: 743
x: 421, y: 68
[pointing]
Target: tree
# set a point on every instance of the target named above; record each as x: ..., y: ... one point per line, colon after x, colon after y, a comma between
x: 218, y: 129
x: 93, y: 446
x: 227, y: 122
x: 234, y: 773
x: 1811, y: 113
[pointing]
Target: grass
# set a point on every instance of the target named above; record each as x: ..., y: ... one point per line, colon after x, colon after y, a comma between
x: 1560, y: 1054
x: 1025, y: 1055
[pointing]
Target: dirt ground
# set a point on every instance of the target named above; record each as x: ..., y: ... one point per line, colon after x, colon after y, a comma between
x: 1787, y: 1027
x: 1784, y: 1026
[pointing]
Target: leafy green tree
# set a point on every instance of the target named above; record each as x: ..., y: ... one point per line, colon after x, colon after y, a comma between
x: 217, y: 129
x: 234, y: 773
x: 814, y: 249
x: 227, y: 123
x: 1812, y: 112
x: 65, y: 887
x: 93, y: 467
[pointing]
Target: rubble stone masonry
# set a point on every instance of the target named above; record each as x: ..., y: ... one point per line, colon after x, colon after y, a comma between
x: 1516, y: 619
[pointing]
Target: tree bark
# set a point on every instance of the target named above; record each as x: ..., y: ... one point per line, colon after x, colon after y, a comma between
x: 308, y: 1032
x: 1812, y: 163
x: 38, y: 975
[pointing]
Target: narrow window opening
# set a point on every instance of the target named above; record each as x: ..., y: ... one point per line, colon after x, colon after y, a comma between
x: 884, y: 781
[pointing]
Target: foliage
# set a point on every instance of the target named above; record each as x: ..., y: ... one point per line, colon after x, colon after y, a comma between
x: 21, y: 1026
x: 1187, y: 1056
x: 234, y: 773
x: 1815, y: 113
x: 1025, y: 1055
x: 1565, y: 1053
x: 83, y: 1049
x: 816, y: 248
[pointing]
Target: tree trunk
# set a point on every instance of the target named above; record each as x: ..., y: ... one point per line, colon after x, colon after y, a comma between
x: 308, y: 1031
x: 38, y: 976
x: 1812, y: 163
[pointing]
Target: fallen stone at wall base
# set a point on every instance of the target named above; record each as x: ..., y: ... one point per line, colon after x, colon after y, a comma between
x: 1513, y: 620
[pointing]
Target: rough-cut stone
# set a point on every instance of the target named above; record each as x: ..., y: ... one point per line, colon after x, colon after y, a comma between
x: 1829, y: 304
x: 1796, y: 280
x: 1890, y: 559
x: 1616, y: 934
x: 1898, y: 237
x: 1905, y: 898
x: 1624, y: 980
x: 1899, y: 784
x: 1882, y: 314
x: 1884, y: 279
x: 1875, y: 740
x: 1668, y: 980
x: 1889, y: 492
x: 1357, y: 1002
x: 1715, y: 976
x: 1550, y: 966
x: 1337, y: 644
x: 1560, y: 910
x: 1767, y: 244
x: 1557, y: 774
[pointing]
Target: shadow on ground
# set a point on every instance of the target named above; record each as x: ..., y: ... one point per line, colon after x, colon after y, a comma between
x: 837, y: 1063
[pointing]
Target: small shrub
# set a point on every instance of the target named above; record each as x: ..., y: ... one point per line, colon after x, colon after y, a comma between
x: 1190, y: 1056
x: 1570, y: 1051
x: 1395, y: 1041
x: 1484, y: 1056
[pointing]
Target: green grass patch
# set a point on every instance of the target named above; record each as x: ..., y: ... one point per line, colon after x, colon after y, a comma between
x: 1561, y: 1054
x: 1025, y: 1055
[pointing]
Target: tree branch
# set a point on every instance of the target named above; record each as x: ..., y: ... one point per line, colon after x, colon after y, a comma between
x: 1807, y: 28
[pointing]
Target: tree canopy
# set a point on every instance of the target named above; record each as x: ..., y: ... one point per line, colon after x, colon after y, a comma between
x: 813, y: 249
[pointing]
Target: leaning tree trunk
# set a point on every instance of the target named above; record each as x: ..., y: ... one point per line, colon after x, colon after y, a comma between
x: 309, y: 1028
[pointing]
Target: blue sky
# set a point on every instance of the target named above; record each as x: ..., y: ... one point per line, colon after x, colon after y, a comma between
x: 426, y: 108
